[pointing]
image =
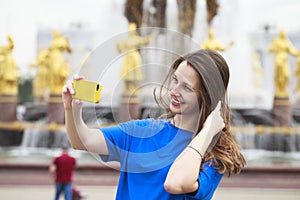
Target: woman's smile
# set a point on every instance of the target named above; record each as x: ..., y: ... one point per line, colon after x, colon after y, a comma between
x: 175, y: 101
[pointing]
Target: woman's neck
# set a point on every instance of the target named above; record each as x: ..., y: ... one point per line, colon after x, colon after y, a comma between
x: 185, y: 122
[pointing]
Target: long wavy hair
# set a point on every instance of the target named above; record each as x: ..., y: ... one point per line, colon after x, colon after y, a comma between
x: 223, y: 152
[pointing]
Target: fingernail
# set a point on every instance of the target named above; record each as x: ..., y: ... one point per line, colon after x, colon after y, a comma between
x: 77, y: 101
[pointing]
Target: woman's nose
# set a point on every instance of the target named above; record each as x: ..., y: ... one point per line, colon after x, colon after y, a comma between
x: 175, y: 90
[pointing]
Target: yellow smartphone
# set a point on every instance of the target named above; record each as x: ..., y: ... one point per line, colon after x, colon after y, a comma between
x: 87, y: 90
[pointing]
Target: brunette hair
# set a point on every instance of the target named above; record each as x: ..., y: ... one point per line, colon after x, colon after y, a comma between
x: 224, y: 152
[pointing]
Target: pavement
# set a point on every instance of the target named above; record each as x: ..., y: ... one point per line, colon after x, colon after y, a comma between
x: 26, y: 177
x: 44, y: 192
x: 98, y: 182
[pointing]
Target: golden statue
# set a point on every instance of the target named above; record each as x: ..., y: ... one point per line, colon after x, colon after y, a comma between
x: 9, y: 72
x: 59, y: 70
x: 41, y: 81
x: 258, y: 70
x: 213, y: 44
x: 131, y: 68
x: 297, y: 73
x: 282, y: 47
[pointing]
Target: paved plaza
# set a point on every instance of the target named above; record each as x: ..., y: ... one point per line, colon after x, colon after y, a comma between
x: 26, y: 178
x: 107, y: 193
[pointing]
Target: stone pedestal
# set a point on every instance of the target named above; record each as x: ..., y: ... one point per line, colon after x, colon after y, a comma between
x: 282, y: 111
x: 8, y: 115
x: 8, y: 108
x: 129, y: 108
x: 56, y: 112
x: 281, y: 139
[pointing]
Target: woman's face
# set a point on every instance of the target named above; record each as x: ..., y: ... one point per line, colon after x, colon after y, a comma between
x: 184, y: 90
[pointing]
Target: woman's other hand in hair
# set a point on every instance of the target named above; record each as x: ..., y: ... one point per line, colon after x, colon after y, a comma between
x: 214, y: 122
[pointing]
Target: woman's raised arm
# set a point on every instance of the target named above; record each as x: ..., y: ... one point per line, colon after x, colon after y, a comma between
x: 80, y: 136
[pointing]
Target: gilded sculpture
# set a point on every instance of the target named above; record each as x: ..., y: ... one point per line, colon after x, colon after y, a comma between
x: 9, y: 72
x: 297, y: 74
x: 131, y: 71
x: 258, y: 70
x: 59, y: 70
x: 282, y: 47
x: 41, y: 81
x: 213, y: 44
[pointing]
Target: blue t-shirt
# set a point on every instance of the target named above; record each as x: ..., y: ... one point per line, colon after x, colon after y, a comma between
x: 146, y: 150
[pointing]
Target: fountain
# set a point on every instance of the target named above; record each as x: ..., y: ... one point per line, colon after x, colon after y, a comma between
x: 255, y: 129
x: 40, y: 126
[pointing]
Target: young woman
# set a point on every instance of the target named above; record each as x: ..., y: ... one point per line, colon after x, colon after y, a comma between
x: 182, y: 155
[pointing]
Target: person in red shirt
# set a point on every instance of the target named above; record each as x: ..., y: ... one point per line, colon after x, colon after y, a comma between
x: 62, y: 169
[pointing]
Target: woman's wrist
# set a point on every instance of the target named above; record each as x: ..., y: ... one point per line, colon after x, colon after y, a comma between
x: 202, y: 141
x: 196, y: 150
x: 67, y: 106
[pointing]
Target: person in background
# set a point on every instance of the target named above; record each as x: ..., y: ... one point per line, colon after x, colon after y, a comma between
x: 62, y: 169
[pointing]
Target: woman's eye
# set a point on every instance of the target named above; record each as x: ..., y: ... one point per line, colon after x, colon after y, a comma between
x: 188, y: 89
x: 174, y: 79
